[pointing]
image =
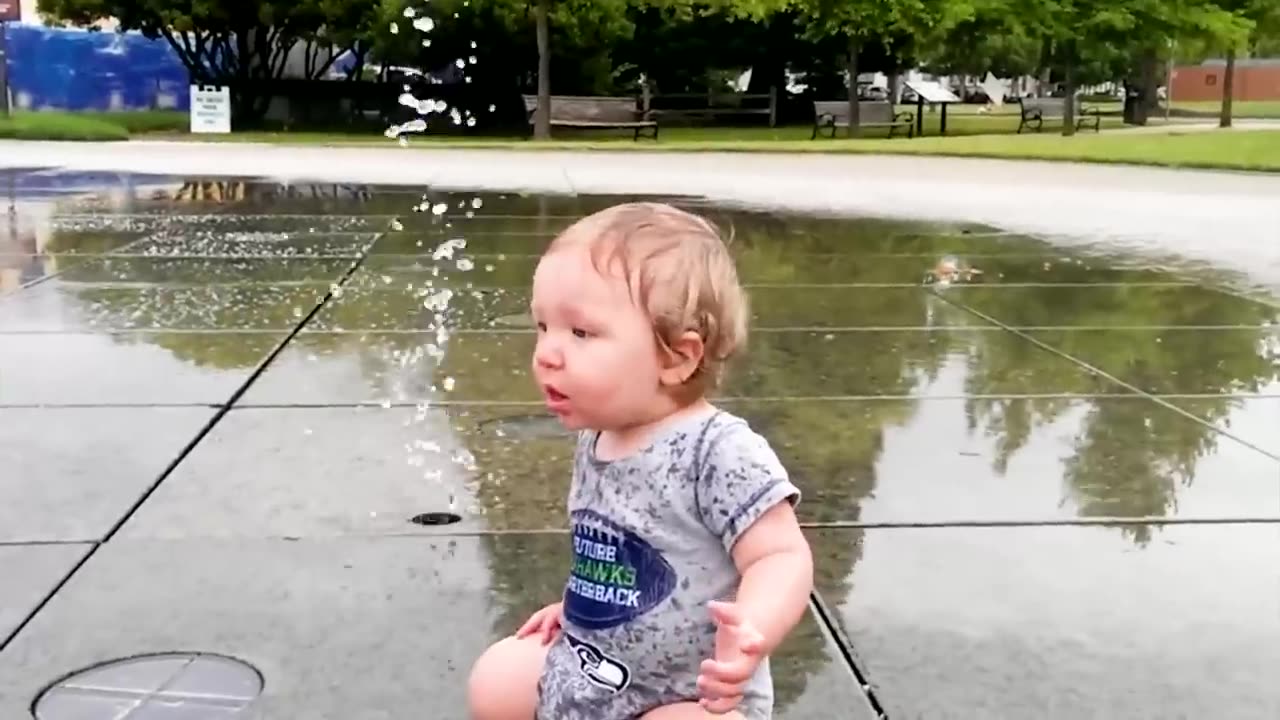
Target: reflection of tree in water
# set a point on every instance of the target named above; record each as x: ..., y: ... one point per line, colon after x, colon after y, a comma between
x: 1131, y: 455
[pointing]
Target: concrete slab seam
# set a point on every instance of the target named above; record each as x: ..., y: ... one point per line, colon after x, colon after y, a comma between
x: 182, y: 455
x: 828, y: 622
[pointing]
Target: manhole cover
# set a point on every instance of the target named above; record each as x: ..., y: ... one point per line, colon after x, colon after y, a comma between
x: 436, y: 518
x: 167, y: 685
x: 525, y: 427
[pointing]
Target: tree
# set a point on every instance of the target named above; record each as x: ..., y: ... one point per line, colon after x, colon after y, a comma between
x: 1257, y: 23
x: 860, y: 23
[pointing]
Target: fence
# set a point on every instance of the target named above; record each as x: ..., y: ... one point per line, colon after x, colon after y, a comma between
x: 54, y: 68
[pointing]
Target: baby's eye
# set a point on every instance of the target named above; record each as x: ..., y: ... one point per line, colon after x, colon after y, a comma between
x: 579, y: 332
x: 542, y: 327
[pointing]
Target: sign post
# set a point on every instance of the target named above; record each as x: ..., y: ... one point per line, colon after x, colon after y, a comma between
x: 10, y: 11
x: 932, y: 92
x: 210, y: 109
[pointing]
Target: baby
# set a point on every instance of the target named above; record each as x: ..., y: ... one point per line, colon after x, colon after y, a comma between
x: 689, y: 567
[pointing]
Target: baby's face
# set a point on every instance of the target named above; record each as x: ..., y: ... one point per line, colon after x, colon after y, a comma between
x: 596, y: 359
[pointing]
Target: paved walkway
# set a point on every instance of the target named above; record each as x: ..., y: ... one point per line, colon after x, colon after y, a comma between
x: 1177, y: 126
x: 1229, y: 219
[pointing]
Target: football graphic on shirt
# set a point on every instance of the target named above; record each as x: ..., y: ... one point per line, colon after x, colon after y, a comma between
x: 616, y: 577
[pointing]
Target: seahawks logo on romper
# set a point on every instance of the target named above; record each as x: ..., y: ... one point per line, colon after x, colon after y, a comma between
x: 599, y: 668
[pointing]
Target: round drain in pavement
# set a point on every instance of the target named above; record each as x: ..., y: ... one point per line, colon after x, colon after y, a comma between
x: 186, y: 684
x: 436, y: 518
x: 525, y: 427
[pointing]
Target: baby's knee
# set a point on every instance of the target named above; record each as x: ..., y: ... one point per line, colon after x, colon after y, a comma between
x: 504, y: 680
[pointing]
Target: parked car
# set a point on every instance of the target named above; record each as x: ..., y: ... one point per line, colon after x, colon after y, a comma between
x: 873, y: 92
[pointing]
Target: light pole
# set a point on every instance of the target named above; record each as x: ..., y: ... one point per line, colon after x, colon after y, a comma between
x: 10, y: 11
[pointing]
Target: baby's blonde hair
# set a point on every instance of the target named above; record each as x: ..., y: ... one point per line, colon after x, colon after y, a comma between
x: 679, y: 271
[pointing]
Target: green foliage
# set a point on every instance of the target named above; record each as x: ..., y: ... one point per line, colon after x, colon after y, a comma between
x: 146, y: 121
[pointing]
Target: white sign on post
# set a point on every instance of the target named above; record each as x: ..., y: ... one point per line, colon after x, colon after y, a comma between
x: 210, y: 109
x: 932, y: 92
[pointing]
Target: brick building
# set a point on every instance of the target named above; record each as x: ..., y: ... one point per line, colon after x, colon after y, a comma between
x: 1255, y: 79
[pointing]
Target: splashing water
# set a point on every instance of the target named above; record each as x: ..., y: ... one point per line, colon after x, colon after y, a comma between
x: 416, y: 125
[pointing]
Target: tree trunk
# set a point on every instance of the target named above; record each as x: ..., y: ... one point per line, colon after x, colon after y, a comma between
x: 1150, y: 65
x: 855, y: 124
x: 1069, y: 97
x: 542, y: 116
x: 1228, y: 89
x: 895, y: 87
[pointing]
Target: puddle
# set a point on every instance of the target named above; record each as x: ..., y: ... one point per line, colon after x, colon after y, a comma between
x: 182, y: 288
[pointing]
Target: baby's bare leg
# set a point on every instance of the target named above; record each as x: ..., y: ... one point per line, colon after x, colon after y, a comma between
x: 504, y: 681
x: 687, y: 711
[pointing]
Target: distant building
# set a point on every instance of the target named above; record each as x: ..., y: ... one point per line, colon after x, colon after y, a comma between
x: 1255, y: 79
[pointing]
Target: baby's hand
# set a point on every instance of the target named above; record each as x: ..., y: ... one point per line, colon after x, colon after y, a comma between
x: 545, y: 622
x: 738, y: 646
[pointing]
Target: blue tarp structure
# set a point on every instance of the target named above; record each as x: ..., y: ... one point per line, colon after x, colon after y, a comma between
x: 53, y: 68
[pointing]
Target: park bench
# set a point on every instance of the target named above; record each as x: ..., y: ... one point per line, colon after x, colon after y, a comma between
x: 871, y: 113
x: 577, y: 111
x: 1035, y: 110
x: 715, y: 105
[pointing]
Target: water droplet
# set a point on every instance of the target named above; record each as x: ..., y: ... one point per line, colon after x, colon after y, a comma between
x: 489, y: 268
x: 410, y: 12
x: 395, y: 29
x: 439, y: 208
x: 386, y: 404
x: 465, y: 264
x: 493, y: 108
x: 460, y: 63
x: 473, y: 44
x: 336, y: 290
x: 386, y: 279
x: 471, y: 122
x: 449, y: 384
x: 424, y: 24
x: 426, y: 43
x: 397, y: 225
x: 472, y: 59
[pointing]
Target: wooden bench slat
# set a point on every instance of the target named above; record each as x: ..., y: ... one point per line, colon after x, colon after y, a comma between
x: 603, y: 124
x: 595, y: 112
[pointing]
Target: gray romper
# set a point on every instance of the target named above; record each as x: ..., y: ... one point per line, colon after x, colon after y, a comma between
x: 652, y: 535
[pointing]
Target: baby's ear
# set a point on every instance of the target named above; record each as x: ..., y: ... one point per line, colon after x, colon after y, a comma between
x: 683, y: 360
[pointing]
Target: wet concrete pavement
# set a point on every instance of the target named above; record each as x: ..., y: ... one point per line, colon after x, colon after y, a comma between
x: 1050, y: 490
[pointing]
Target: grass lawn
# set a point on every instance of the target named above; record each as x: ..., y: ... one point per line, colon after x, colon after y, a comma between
x: 60, y: 126
x: 1239, y: 108
x: 969, y: 134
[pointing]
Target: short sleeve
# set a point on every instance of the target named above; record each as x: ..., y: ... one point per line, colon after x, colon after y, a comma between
x: 740, y: 478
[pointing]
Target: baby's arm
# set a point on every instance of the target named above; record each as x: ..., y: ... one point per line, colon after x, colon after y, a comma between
x: 777, y: 574
x: 746, y: 498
